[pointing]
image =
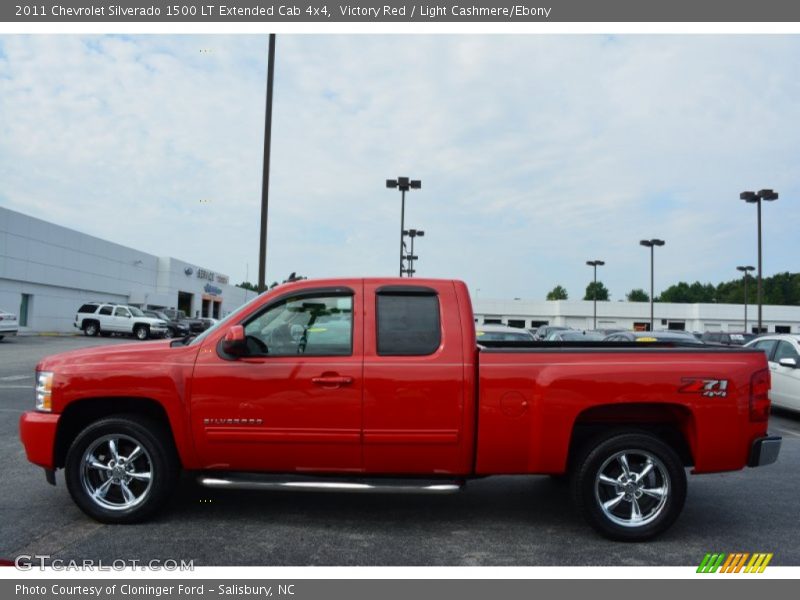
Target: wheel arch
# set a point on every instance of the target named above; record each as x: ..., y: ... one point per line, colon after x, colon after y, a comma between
x: 673, y: 424
x: 80, y: 413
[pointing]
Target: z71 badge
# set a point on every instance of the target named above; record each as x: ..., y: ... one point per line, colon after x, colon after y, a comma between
x: 711, y: 388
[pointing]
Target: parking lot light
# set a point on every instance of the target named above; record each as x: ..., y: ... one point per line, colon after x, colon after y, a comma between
x: 404, y: 184
x: 745, y: 270
x: 594, y: 264
x: 756, y: 198
x: 651, y: 244
x: 412, y: 233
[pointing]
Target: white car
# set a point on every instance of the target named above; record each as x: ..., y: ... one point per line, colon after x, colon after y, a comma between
x: 8, y: 324
x: 502, y: 333
x: 783, y: 354
x: 104, y: 318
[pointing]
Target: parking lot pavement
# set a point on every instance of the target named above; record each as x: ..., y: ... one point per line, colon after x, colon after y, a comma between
x: 495, y: 521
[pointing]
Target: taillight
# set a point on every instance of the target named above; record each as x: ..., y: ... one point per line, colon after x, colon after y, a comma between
x: 759, y: 395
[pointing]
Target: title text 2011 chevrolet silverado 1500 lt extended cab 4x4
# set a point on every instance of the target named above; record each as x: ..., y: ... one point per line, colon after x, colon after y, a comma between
x: 379, y: 384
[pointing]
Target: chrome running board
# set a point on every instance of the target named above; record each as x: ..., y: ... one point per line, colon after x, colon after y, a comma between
x: 296, y: 483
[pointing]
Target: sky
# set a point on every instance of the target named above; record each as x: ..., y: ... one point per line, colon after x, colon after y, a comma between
x: 536, y: 152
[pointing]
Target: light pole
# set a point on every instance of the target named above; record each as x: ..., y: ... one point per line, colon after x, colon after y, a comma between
x: 745, y: 270
x: 756, y: 198
x: 262, y: 247
x: 404, y: 184
x: 412, y: 233
x: 651, y: 244
x: 594, y: 264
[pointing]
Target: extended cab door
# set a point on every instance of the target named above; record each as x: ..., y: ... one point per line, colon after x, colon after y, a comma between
x: 294, y: 402
x: 417, y: 409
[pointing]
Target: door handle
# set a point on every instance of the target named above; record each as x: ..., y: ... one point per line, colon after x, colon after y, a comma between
x: 331, y: 380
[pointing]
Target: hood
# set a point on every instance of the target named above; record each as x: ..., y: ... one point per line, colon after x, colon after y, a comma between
x: 117, y: 353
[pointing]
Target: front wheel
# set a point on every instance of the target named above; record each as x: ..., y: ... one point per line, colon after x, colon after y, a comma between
x: 630, y: 487
x: 121, y: 469
x: 141, y: 332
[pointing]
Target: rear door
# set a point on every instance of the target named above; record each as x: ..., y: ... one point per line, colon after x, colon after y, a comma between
x: 415, y: 420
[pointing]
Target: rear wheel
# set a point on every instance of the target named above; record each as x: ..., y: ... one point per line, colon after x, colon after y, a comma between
x: 121, y: 469
x: 91, y: 329
x: 141, y: 332
x: 630, y: 487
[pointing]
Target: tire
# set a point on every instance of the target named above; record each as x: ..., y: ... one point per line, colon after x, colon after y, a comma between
x: 609, y: 504
x: 142, y: 332
x: 144, y: 496
x: 91, y: 328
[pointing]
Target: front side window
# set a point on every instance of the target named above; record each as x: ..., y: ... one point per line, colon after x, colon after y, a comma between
x: 312, y: 325
x: 121, y: 312
x: 408, y: 324
x: 786, y: 350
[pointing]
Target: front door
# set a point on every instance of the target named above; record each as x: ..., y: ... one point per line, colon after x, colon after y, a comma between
x: 121, y: 320
x: 294, y: 402
x: 785, y: 380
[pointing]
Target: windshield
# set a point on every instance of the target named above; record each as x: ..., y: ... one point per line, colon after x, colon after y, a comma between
x: 135, y: 311
x: 227, y: 320
x: 161, y: 315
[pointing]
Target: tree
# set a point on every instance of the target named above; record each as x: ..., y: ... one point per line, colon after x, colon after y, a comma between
x: 599, y: 288
x: 638, y: 295
x: 248, y: 286
x: 557, y: 293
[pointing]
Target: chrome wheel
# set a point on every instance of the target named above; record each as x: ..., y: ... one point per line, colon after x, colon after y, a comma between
x: 116, y: 472
x: 141, y: 332
x: 632, y: 488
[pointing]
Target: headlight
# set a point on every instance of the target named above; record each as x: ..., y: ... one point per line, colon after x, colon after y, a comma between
x: 44, y: 391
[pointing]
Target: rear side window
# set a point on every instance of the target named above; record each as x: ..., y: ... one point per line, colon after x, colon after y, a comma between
x: 105, y: 310
x: 88, y: 308
x: 408, y: 324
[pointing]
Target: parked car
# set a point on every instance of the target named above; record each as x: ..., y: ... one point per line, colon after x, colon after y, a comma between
x: 397, y: 387
x: 502, y: 333
x: 174, y: 328
x: 654, y: 336
x: 608, y: 331
x: 8, y: 324
x: 727, y: 338
x: 196, y: 325
x: 575, y: 335
x: 545, y: 330
x: 95, y: 318
x: 783, y: 354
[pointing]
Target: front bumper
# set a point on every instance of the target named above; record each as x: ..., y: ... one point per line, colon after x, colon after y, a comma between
x: 764, y: 451
x: 37, y: 430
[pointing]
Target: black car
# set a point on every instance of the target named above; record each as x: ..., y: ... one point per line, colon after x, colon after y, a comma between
x: 727, y: 339
x: 174, y: 328
x: 545, y: 330
x: 195, y: 325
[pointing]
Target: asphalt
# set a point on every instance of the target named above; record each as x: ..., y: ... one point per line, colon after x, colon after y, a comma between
x: 495, y: 521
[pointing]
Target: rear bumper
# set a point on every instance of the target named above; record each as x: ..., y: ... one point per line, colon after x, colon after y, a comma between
x: 5, y: 332
x: 37, y: 431
x: 764, y: 451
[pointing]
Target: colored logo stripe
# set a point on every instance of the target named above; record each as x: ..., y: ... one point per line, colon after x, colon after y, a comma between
x: 735, y: 562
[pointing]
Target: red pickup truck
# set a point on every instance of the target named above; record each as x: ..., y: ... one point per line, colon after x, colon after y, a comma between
x: 380, y: 385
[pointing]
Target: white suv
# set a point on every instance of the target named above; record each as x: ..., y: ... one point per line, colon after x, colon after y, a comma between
x: 95, y: 317
x: 8, y: 324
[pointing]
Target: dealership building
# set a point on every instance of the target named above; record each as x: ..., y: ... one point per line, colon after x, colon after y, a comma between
x: 48, y: 271
x: 636, y: 315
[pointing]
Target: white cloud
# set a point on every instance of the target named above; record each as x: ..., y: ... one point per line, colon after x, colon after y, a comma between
x: 536, y: 152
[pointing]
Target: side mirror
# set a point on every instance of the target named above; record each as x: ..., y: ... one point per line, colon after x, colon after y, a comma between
x: 234, y: 342
x: 788, y: 362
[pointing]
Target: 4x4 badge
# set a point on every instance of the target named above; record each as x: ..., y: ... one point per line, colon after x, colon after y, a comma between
x: 711, y: 388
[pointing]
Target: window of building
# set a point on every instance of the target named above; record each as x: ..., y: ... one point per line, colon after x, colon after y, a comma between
x: 311, y: 324
x: 24, y: 309
x: 641, y: 326
x: 493, y: 321
x: 677, y: 326
x: 519, y: 323
x: 536, y: 324
x: 105, y: 310
x: 783, y: 329
x: 408, y: 324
